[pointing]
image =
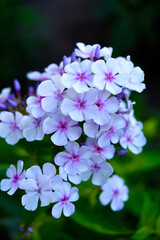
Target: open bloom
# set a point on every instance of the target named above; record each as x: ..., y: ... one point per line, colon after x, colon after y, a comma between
x: 37, y: 76
x: 15, y: 176
x: 78, y: 76
x: 79, y: 106
x: 100, y: 169
x: 133, y: 139
x: 74, y: 159
x: 64, y: 196
x: 114, y: 191
x: 52, y: 93
x: 76, y: 179
x: 4, y: 95
x: 90, y: 128
x: 111, y: 132
x: 109, y: 75
x: 63, y: 127
x: 32, y: 128
x: 34, y: 106
x: 10, y: 127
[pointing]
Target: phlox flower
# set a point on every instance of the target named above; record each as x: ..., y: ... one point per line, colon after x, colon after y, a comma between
x: 37, y: 76
x: 32, y: 128
x: 52, y: 93
x: 109, y: 75
x: 111, y: 132
x: 114, y: 191
x: 79, y: 106
x: 34, y: 106
x: 136, y: 75
x: 10, y: 127
x: 134, y: 139
x: 78, y: 76
x: 107, y: 151
x: 76, y: 179
x: 63, y: 127
x: 88, y: 51
x: 100, y: 169
x: 4, y: 96
x: 74, y: 159
x: 15, y: 176
x: 54, y: 69
x: 64, y: 196
x: 105, y: 106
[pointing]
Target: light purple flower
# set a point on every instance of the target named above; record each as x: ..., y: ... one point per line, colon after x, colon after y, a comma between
x: 134, y: 139
x: 79, y: 106
x: 37, y: 76
x: 64, y: 196
x: 111, y: 132
x: 32, y: 128
x: 100, y: 169
x: 10, y: 127
x: 4, y: 95
x: 34, y: 106
x: 107, y: 151
x: 74, y: 159
x: 52, y: 93
x: 36, y: 188
x: 15, y: 176
x: 78, y: 76
x: 72, y: 178
x: 63, y: 127
x: 109, y: 75
x: 114, y: 191
x: 90, y: 128
x: 54, y: 69
x: 105, y: 106
x: 88, y: 51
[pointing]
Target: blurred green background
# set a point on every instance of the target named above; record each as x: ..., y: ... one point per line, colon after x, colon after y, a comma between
x: 34, y: 34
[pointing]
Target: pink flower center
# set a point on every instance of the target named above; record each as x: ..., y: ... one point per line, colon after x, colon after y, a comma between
x: 63, y: 126
x: 38, y: 190
x: 58, y: 94
x: 129, y: 139
x: 95, y: 168
x: 99, y: 104
x: 111, y: 130
x: 109, y: 77
x: 13, y: 126
x: 115, y: 193
x: 64, y: 200
x: 15, y: 178
x: 75, y: 158
x: 37, y: 122
x: 81, y: 104
x: 81, y: 77
x: 98, y: 149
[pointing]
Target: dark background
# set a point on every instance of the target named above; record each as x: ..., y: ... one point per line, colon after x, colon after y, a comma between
x: 35, y: 33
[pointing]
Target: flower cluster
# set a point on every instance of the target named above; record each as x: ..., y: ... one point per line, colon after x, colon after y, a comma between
x: 83, y: 103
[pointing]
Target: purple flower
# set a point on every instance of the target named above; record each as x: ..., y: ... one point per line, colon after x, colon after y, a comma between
x: 74, y: 159
x: 114, y: 191
x: 32, y: 128
x: 79, y: 106
x: 100, y: 169
x: 105, y: 106
x: 10, y: 127
x: 37, y: 76
x: 16, y: 176
x: 52, y: 93
x: 64, y: 196
x: 107, y: 151
x: 63, y: 127
x: 78, y: 76
x: 4, y: 95
x: 90, y: 128
x: 134, y: 139
x: 54, y: 69
x: 109, y: 75
x: 111, y: 132
x: 72, y: 178
x: 35, y: 106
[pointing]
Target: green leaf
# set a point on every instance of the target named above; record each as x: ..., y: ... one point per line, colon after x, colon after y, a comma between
x: 143, y: 233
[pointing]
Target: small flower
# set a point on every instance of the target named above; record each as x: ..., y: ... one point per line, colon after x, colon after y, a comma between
x: 109, y: 75
x: 107, y: 151
x: 54, y: 69
x: 90, y: 128
x: 16, y: 176
x: 37, y: 76
x: 52, y: 93
x: 105, y: 106
x: 10, y: 127
x: 79, y: 106
x: 4, y: 95
x: 133, y: 139
x: 32, y: 128
x: 100, y: 169
x: 111, y: 132
x: 34, y: 106
x: 72, y: 178
x: 64, y: 196
x: 78, y: 76
x: 74, y: 159
x: 114, y: 191
x: 63, y: 127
